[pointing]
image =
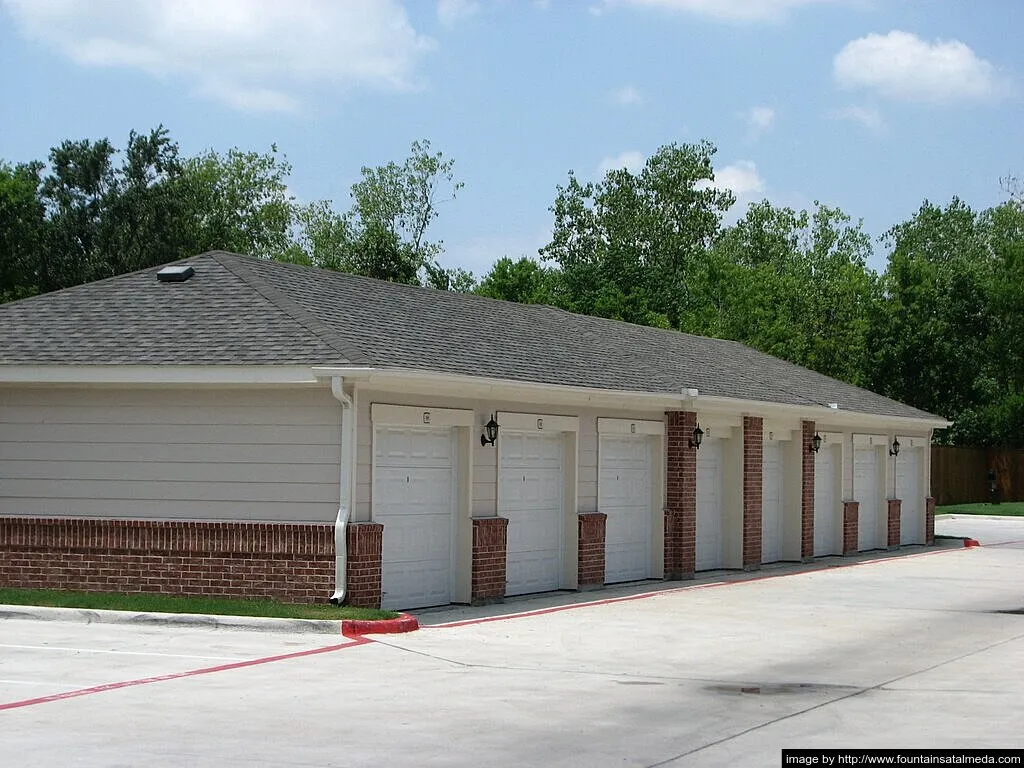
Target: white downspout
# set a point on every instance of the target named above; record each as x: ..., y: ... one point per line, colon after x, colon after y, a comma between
x: 344, y: 490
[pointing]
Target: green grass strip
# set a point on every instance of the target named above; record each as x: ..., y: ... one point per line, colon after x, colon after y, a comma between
x: 1006, y: 509
x: 148, y: 603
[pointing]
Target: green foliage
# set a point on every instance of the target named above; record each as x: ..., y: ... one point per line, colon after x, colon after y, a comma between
x: 524, y: 281
x: 624, y: 245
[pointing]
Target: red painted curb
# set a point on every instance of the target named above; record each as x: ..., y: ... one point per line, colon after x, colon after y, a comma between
x: 358, y: 628
x: 972, y: 543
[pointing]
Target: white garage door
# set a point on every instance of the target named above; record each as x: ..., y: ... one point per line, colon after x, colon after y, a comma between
x: 709, y: 505
x: 827, y: 511
x: 414, y: 499
x: 866, y: 491
x: 772, y: 474
x: 908, y: 489
x: 624, y: 495
x: 530, y: 496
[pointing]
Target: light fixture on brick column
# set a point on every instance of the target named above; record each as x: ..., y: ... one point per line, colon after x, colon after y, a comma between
x: 815, y: 445
x: 895, y: 449
x: 698, y: 437
x: 491, y: 432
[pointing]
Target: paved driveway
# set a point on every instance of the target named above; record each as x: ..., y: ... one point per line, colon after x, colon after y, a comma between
x: 907, y: 652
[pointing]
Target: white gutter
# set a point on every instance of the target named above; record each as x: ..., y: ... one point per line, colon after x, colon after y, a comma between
x: 489, y: 387
x: 344, y: 490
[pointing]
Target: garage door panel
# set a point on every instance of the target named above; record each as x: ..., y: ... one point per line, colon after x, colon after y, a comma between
x: 866, y: 469
x: 531, y: 485
x: 771, y: 503
x: 908, y: 490
x: 625, y: 497
x: 414, y: 447
x: 414, y: 499
x: 826, y: 506
x: 709, y: 505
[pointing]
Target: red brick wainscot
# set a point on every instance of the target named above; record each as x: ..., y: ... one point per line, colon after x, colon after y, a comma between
x: 894, y: 523
x: 851, y: 515
x: 929, y: 521
x: 490, y: 547
x: 363, y: 569
x: 590, y: 563
x: 289, y: 562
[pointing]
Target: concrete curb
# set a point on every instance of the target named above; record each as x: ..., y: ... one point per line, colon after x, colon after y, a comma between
x: 210, y: 621
x: 357, y: 628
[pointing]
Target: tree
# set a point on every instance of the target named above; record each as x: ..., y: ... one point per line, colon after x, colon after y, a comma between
x: 22, y: 229
x: 238, y: 201
x: 384, y: 234
x: 795, y: 285
x: 524, y: 281
x: 932, y: 339
x: 625, y: 245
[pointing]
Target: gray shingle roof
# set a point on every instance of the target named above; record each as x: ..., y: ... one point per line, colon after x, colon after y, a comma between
x: 240, y: 310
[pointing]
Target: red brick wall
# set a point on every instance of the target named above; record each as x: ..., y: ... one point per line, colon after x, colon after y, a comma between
x: 591, y: 548
x: 851, y: 513
x: 363, y: 569
x: 753, y: 471
x: 490, y: 546
x: 808, y: 428
x: 292, y: 563
x: 680, y: 495
x: 894, y: 523
x: 929, y: 520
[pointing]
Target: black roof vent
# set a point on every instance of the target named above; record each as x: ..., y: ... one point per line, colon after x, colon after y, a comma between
x: 178, y: 273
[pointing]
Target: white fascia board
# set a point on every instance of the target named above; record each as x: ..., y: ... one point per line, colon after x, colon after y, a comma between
x: 193, y: 375
x: 402, y: 379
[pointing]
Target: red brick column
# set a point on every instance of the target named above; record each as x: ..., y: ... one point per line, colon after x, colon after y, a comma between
x: 364, y: 564
x: 808, y: 429
x: 292, y: 563
x: 851, y: 513
x: 490, y: 552
x: 681, y: 496
x: 591, y: 549
x: 894, y: 523
x: 929, y: 520
x: 753, y: 472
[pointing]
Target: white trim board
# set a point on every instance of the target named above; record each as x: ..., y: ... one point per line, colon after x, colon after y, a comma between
x: 536, y: 422
x: 411, y: 416
x: 629, y: 427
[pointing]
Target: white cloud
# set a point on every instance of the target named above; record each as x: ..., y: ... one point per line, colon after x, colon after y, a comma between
x: 759, y: 120
x: 869, y: 117
x: 627, y: 96
x: 902, y: 66
x: 632, y: 161
x: 249, y: 54
x: 451, y: 12
x: 725, y: 10
x: 741, y: 178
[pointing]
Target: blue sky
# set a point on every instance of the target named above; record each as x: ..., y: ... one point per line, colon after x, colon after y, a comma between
x: 871, y: 105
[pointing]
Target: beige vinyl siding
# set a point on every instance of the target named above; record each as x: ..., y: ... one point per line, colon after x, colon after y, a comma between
x: 203, y: 454
x: 485, y: 458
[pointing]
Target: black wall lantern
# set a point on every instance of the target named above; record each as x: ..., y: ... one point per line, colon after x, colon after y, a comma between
x: 895, y: 449
x: 491, y: 432
x: 815, y: 443
x: 698, y: 437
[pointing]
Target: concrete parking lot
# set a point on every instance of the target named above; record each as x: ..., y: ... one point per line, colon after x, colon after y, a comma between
x: 917, y: 651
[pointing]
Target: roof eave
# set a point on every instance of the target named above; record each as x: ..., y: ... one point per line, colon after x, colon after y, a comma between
x: 405, y: 379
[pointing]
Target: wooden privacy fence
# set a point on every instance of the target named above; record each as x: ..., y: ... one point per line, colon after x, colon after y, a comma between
x: 960, y: 475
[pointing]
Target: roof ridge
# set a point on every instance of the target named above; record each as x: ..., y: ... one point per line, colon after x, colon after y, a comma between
x: 238, y: 265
